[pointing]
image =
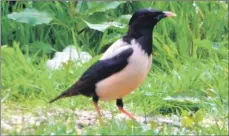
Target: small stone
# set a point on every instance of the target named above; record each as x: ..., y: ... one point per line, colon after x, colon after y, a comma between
x: 79, y: 126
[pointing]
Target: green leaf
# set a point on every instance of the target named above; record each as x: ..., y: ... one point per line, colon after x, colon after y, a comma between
x: 103, y: 26
x: 97, y: 18
x: 142, y: 4
x: 82, y: 6
x: 124, y: 19
x: 100, y: 6
x: 187, y: 121
x: 198, y: 116
x: 31, y: 16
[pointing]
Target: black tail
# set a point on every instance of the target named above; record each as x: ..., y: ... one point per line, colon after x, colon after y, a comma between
x: 69, y: 92
x: 58, y: 97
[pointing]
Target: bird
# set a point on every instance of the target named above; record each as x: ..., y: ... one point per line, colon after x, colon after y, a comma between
x: 124, y: 65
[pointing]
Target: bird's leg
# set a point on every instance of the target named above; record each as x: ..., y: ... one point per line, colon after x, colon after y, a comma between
x: 97, y: 109
x: 119, y: 103
x: 95, y: 102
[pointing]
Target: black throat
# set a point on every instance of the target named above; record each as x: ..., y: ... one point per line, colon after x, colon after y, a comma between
x: 143, y: 36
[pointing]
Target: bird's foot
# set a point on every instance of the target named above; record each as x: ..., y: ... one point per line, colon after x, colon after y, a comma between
x: 127, y: 113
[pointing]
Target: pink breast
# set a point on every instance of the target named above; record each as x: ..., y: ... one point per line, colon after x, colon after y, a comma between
x: 120, y: 84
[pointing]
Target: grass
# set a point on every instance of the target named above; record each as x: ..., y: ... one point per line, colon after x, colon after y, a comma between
x: 189, y: 72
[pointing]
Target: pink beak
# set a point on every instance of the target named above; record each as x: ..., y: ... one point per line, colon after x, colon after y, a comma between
x: 169, y: 14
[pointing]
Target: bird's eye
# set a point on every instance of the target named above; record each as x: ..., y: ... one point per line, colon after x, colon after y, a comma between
x: 159, y: 17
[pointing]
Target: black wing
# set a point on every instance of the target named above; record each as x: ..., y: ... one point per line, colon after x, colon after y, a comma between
x: 104, y: 68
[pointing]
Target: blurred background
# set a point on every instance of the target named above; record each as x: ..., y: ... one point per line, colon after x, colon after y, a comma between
x: 46, y: 46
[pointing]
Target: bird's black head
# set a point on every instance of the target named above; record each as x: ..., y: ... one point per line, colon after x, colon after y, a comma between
x: 141, y: 27
x: 144, y: 20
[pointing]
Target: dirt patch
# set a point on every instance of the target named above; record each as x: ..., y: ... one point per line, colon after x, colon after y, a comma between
x: 16, y: 119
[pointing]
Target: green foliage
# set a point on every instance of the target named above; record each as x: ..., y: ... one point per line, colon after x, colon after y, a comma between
x: 87, y: 8
x: 31, y: 16
x: 104, y: 26
x: 189, y: 72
